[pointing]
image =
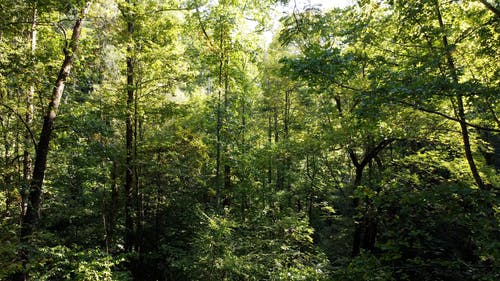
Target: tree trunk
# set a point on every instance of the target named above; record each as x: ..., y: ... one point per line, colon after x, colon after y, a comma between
x: 137, y: 192
x: 227, y: 133
x: 491, y: 7
x: 269, y: 140
x: 27, y: 162
x: 7, y: 178
x: 280, y: 177
x: 31, y: 217
x: 460, y: 111
x: 365, y: 227
x: 129, y: 146
x: 286, y: 136
x: 218, y: 170
x: 111, y: 218
x: 358, y: 223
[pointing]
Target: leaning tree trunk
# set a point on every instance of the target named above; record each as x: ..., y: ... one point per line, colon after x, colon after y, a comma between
x: 31, y: 217
x: 490, y: 7
x: 460, y: 111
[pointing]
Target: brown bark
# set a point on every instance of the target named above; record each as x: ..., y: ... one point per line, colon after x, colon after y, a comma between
x: 31, y: 217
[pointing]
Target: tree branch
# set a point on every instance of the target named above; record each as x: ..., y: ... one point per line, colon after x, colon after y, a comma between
x: 23, y: 121
x: 170, y: 10
x: 374, y: 152
x: 423, y: 109
x: 354, y: 158
x: 204, y: 30
x: 491, y: 8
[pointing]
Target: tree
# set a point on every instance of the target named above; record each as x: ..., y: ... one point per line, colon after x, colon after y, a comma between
x: 360, y: 144
x: 31, y: 217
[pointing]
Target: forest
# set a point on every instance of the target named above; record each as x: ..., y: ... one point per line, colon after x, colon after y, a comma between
x: 249, y: 140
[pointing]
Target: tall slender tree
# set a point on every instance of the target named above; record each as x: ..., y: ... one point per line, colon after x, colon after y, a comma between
x: 32, y: 215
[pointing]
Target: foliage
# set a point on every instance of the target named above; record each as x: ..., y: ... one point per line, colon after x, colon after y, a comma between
x: 256, y: 250
x: 341, y: 150
x: 62, y: 263
x: 364, y: 267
